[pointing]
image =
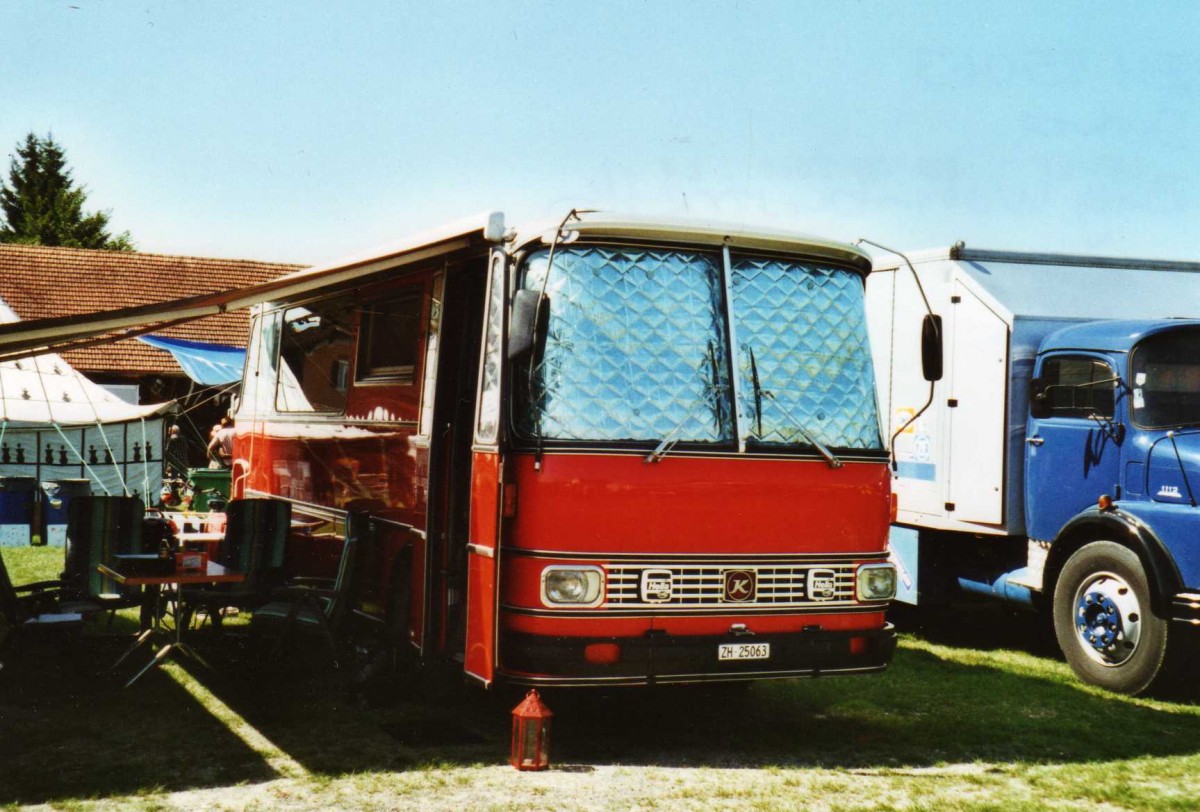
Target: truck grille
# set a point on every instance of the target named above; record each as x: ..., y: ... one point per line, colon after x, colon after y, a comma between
x: 704, y: 585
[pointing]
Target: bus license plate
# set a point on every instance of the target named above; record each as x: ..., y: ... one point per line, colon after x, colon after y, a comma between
x: 744, y: 651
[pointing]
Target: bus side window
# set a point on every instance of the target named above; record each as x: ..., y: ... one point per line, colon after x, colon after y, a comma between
x: 391, y: 338
x: 314, y: 354
x: 487, y: 428
x: 257, y: 392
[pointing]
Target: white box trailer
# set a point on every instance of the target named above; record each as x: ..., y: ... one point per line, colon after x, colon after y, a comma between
x: 959, y: 467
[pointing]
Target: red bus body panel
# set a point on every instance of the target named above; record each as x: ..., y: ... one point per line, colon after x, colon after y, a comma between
x: 588, y: 509
x: 599, y: 503
x: 482, y: 556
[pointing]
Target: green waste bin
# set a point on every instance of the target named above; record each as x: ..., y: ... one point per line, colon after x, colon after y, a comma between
x: 205, y: 483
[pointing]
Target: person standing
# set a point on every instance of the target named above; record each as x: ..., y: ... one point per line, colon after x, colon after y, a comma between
x: 175, y: 454
x: 220, y: 447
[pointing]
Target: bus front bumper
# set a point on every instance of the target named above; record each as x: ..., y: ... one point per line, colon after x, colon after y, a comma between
x: 528, y: 659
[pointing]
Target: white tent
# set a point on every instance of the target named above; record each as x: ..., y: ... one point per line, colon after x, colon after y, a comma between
x: 55, y: 424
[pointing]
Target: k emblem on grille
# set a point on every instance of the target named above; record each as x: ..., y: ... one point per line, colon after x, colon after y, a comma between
x: 657, y: 586
x: 740, y: 585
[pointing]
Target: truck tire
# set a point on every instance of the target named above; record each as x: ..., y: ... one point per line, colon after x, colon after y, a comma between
x: 1103, y: 620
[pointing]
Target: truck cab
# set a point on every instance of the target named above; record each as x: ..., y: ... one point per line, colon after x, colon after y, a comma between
x: 1051, y: 458
x: 1112, y: 460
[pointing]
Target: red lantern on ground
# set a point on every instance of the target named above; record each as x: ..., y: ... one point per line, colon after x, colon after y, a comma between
x: 531, y: 734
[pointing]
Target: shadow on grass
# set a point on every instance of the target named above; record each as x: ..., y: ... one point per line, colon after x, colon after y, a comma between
x: 81, y: 737
x: 925, y: 711
x: 70, y: 732
x: 979, y: 624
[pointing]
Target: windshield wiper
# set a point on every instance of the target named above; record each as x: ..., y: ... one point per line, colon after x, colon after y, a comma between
x: 668, y: 442
x: 760, y: 393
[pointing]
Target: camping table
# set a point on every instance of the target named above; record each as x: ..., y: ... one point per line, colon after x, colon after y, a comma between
x: 213, y: 573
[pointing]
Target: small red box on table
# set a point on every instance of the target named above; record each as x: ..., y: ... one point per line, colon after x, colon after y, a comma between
x: 191, y: 561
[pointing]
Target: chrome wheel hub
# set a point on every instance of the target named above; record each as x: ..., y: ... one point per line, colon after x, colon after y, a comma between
x: 1108, y: 618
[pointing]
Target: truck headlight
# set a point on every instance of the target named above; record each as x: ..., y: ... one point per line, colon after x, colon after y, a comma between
x: 876, y: 582
x: 577, y: 586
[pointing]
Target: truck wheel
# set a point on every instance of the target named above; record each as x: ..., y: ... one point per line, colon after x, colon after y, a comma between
x: 1103, y: 620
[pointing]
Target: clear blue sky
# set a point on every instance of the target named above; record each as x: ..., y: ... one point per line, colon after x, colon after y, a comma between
x: 299, y: 131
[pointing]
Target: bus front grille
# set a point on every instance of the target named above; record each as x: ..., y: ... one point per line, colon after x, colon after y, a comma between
x: 729, y: 585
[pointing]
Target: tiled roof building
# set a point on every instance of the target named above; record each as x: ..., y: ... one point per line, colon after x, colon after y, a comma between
x: 42, y: 282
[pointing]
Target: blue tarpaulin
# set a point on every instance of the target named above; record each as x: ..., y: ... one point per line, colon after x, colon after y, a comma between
x: 206, y: 364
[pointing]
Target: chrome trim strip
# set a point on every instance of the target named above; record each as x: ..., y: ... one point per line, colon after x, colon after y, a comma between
x: 879, y: 458
x: 258, y: 419
x: 479, y: 549
x: 566, y: 682
x: 605, y: 611
x: 671, y: 679
x: 716, y: 559
x: 769, y: 674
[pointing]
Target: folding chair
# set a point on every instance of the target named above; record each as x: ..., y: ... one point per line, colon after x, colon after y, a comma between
x: 315, y: 605
x: 99, y: 527
x: 256, y: 532
x: 36, y: 611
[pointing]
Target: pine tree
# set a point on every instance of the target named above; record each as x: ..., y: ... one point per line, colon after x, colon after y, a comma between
x: 41, y: 205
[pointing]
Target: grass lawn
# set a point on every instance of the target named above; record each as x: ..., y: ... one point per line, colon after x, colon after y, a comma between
x: 956, y: 723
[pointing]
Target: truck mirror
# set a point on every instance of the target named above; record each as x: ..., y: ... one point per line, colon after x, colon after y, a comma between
x: 931, y: 347
x: 527, y: 304
x: 1039, y: 398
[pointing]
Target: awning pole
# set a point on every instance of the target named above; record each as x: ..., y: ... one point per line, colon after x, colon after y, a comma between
x: 116, y: 465
x: 145, y: 464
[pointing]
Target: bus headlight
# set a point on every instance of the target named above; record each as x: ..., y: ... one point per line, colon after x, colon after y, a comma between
x: 577, y: 586
x: 876, y: 582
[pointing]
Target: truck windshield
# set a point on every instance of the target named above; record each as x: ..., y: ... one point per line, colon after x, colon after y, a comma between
x: 637, y: 349
x: 1165, y: 378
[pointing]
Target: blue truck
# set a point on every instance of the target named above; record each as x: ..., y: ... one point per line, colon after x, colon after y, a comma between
x: 1044, y: 417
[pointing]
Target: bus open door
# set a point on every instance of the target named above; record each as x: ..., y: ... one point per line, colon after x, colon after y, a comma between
x: 487, y: 490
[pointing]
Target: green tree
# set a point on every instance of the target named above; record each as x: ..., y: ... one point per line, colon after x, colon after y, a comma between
x: 41, y: 205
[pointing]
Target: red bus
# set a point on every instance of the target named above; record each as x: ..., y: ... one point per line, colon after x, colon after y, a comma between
x: 606, y: 452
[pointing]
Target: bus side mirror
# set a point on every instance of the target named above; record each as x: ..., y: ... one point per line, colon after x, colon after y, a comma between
x: 526, y: 307
x: 1039, y: 398
x: 931, y: 347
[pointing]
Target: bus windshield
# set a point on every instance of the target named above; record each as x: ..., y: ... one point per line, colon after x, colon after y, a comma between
x: 1166, y: 380
x: 637, y: 347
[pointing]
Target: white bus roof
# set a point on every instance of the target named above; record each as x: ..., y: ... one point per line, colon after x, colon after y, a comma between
x: 695, y: 232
